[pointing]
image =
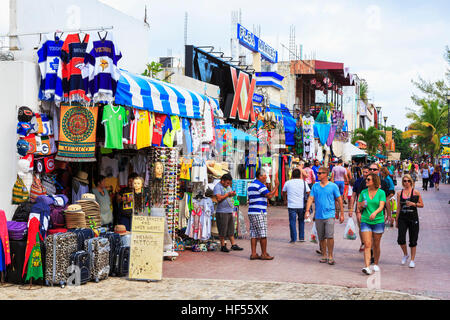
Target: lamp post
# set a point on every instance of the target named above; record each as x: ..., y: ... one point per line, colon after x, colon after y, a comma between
x: 378, y: 116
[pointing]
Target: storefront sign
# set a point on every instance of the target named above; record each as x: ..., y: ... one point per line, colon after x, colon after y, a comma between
x: 242, y: 106
x: 258, y: 98
x: 146, y: 250
x: 445, y: 140
x: 253, y: 43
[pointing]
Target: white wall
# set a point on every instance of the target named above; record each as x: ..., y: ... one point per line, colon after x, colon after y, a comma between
x: 349, y: 107
x: 131, y: 35
x: 18, y: 87
x: 195, y: 85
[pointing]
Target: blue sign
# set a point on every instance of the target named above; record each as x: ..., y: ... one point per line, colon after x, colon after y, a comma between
x: 258, y: 98
x: 445, y: 140
x: 253, y: 43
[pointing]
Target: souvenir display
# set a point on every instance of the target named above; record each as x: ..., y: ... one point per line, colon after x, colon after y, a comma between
x: 49, y: 54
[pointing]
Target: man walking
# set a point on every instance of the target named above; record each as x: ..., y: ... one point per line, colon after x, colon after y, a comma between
x: 339, y: 176
x: 324, y: 195
x: 224, y: 212
x: 257, y: 213
x: 315, y: 168
x: 296, y: 191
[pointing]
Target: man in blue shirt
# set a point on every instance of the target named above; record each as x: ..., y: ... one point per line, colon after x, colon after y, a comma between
x: 324, y: 195
x: 315, y: 168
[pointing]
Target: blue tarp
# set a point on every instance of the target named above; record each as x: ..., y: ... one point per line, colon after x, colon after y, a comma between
x: 238, y: 134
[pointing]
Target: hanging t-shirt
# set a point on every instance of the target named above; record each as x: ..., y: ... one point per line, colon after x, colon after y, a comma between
x: 187, y: 136
x: 158, y: 131
x: 185, y: 172
x: 199, y: 171
x: 114, y: 119
x: 103, y: 74
x: 143, y: 129
x: 109, y: 167
x: 49, y: 54
x: 127, y: 127
x: 70, y: 85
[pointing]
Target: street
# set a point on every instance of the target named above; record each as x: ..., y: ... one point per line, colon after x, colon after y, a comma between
x: 299, y: 263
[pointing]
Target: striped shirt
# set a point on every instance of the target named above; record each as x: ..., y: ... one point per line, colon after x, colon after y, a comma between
x: 257, y: 201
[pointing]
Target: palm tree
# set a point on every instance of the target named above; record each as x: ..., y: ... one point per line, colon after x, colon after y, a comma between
x: 363, y: 91
x: 429, y: 124
x: 372, y: 137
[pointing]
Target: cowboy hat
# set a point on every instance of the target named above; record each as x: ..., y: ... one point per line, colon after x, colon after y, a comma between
x: 82, y: 177
x: 74, y: 208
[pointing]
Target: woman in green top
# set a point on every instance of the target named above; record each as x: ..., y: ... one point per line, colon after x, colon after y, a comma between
x: 370, y: 212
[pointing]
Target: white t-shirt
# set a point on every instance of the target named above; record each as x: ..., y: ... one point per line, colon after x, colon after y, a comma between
x: 295, y: 190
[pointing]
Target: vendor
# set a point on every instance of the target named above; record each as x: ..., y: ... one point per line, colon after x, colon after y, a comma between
x: 103, y: 199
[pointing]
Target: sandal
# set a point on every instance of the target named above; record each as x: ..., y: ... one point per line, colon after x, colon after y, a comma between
x: 323, y: 260
x: 257, y: 257
x: 331, y: 262
x: 267, y: 257
x: 319, y: 252
x: 361, y: 248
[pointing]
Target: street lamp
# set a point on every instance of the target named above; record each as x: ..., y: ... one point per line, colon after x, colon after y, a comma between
x: 378, y: 115
x: 385, y: 119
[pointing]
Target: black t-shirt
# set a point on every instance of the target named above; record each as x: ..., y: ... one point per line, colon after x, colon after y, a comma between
x: 383, y: 186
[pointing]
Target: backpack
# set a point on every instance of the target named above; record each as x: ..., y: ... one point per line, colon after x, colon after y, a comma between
x: 57, y: 219
x: 22, y: 212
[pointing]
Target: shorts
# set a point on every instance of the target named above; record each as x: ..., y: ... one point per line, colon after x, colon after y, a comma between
x: 258, y: 225
x: 225, y: 224
x: 375, y: 228
x: 341, y: 186
x: 325, y: 228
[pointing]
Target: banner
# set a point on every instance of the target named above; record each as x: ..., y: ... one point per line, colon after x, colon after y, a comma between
x: 146, y: 249
x: 77, y: 134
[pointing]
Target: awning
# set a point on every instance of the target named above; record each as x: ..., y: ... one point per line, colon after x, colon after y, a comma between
x: 157, y: 96
x: 238, y: 134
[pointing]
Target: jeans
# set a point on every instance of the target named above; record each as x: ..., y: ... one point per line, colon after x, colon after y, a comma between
x: 425, y: 183
x: 341, y: 186
x: 293, y: 214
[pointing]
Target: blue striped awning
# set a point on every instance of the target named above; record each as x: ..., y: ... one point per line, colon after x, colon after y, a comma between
x: 157, y: 96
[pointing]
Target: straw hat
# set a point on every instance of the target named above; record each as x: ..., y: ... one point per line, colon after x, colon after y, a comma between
x: 74, y: 208
x: 82, y: 177
x: 75, y: 217
x: 216, y: 169
x: 121, y: 229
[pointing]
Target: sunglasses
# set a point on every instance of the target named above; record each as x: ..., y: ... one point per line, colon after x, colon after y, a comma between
x: 372, y: 169
x: 321, y: 172
x: 407, y: 181
x: 368, y: 179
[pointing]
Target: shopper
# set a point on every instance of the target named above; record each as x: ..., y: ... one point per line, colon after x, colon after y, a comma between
x: 436, y: 176
x: 431, y: 167
x: 257, y: 213
x: 315, y: 168
x: 408, y: 200
x: 224, y: 212
x: 294, y: 191
x: 371, y: 203
x: 348, y: 181
x: 324, y: 195
x: 339, y: 176
x: 354, y: 199
x: 103, y: 199
x: 425, y: 172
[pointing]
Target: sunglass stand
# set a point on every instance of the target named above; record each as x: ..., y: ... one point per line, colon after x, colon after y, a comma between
x: 170, y: 184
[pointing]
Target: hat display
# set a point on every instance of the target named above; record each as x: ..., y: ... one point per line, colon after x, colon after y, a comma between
x: 75, y: 217
x: 22, y: 147
x: 82, y: 177
x: 216, y: 169
x: 25, y: 114
x: 91, y: 209
x: 121, y: 229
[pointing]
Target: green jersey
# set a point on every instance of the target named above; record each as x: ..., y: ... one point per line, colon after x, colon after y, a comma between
x: 114, y: 119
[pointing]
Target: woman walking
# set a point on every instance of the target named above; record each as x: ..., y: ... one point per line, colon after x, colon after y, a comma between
x: 407, y: 218
x: 425, y: 177
x: 436, y: 176
x: 370, y: 212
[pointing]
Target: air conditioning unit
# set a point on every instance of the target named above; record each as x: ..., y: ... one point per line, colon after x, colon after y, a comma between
x: 167, y: 62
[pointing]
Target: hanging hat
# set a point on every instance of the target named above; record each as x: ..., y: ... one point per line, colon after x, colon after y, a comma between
x: 121, y: 229
x: 82, y: 177
x: 216, y: 169
x: 25, y: 114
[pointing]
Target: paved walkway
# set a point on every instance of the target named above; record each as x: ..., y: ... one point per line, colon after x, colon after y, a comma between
x: 298, y: 262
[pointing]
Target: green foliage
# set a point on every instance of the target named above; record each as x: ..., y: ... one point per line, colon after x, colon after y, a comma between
x: 372, y: 137
x: 363, y: 91
x: 153, y: 69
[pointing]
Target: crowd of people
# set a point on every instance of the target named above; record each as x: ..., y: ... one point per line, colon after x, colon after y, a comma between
x: 319, y: 192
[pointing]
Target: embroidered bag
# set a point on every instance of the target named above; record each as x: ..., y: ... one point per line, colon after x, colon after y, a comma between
x: 37, y: 189
x: 20, y: 192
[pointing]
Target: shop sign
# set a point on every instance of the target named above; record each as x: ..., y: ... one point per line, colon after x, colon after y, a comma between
x: 253, y: 43
x: 445, y: 140
x: 242, y: 106
x: 146, y: 249
x: 258, y: 98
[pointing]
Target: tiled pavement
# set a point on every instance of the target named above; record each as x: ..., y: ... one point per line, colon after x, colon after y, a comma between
x: 298, y: 262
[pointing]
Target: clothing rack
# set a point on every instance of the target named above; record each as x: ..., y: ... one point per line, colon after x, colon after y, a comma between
x: 59, y: 31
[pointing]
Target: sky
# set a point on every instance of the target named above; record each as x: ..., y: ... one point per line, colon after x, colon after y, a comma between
x: 387, y: 43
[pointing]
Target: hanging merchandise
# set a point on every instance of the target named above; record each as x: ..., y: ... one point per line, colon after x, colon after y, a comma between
x: 70, y: 86
x: 308, y: 138
x: 37, y: 189
x: 4, y: 242
x: 187, y: 141
x: 33, y: 259
x: 77, y: 134
x: 143, y: 129
x: 49, y: 54
x: 20, y: 192
x: 114, y: 119
x: 129, y: 126
x: 161, y: 125
x: 102, y: 72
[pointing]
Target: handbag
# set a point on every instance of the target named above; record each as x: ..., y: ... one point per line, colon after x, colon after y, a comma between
x: 20, y: 192
x: 37, y: 189
x: 214, y: 229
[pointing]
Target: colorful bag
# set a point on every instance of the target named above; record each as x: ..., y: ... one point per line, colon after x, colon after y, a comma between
x: 37, y: 189
x: 20, y: 192
x: 49, y: 184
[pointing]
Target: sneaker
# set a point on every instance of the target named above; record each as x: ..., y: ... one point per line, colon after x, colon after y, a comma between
x: 292, y: 241
x: 236, y: 247
x: 301, y: 240
x: 376, y: 268
x: 412, y: 264
x: 404, y: 259
x: 224, y: 249
x: 367, y: 271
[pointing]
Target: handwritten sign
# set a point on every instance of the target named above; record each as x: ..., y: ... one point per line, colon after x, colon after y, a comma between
x: 146, y: 250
